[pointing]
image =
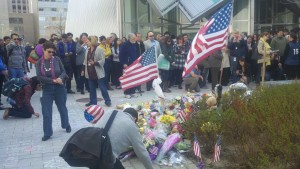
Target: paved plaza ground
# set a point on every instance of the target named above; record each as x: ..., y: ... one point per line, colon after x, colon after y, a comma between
x: 20, y: 139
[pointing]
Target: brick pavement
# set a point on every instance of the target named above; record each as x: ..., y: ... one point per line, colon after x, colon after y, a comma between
x: 20, y: 139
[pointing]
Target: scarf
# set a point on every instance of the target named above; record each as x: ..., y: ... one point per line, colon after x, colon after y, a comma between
x: 52, y: 67
x: 266, y: 47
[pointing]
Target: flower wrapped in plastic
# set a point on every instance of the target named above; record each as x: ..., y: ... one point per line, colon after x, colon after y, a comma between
x: 170, y: 142
x: 167, y: 119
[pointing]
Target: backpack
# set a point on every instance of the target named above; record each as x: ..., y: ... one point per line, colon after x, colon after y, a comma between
x: 11, y: 87
x: 90, y: 147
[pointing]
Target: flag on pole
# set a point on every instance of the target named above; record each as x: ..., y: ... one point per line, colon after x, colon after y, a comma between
x: 217, y: 150
x: 196, y: 148
x: 141, y: 71
x: 211, y: 37
x: 181, y: 115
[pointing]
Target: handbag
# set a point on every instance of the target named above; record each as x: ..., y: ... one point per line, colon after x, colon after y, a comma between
x: 33, y: 57
x: 163, y: 63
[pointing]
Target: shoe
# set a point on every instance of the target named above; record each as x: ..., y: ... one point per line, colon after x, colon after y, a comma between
x: 82, y: 92
x: 70, y: 92
x: 5, y: 114
x: 1, y: 108
x: 109, y: 87
x: 1, y: 104
x: 139, y: 91
x: 148, y: 89
x: 108, y: 104
x: 45, y: 138
x: 78, y: 90
x: 68, y: 129
x: 179, y: 87
x: 88, y: 104
x: 118, y: 87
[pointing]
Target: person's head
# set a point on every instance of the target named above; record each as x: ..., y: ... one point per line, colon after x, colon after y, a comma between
x: 236, y: 34
x: 54, y: 36
x: 124, y: 39
x: 49, y: 49
x: 70, y: 37
x: 92, y: 41
x: 64, y: 37
x: 102, y: 40
x: 133, y: 113
x: 293, y: 37
x: 280, y: 33
x: 119, y: 42
x: 249, y: 39
x: 255, y: 37
x: 242, y: 61
x: 167, y: 34
x: 286, y: 32
x: 113, y: 36
x: 138, y: 36
x: 150, y: 35
x: 132, y: 38
x: 1, y: 42
x: 265, y: 35
x: 108, y: 40
x: 168, y: 41
x: 179, y: 39
x: 14, y: 36
x: 185, y: 38
x: 158, y: 36
x: 6, y: 39
x: 35, y: 84
x: 162, y: 39
x: 42, y: 41
x: 83, y: 38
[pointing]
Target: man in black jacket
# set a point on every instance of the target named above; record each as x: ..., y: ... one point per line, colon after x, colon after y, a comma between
x: 140, y: 50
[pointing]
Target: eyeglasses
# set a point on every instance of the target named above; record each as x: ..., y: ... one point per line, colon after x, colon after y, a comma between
x: 15, y: 39
x: 50, y: 52
x: 151, y: 35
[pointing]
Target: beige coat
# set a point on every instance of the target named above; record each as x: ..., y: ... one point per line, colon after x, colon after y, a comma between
x: 100, y: 58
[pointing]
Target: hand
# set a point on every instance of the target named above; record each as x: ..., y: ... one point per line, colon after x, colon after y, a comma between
x: 173, y: 63
x: 5, y: 72
x: 82, y: 73
x: 280, y: 65
x: 59, y: 81
x: 201, y: 77
x: 66, y: 54
x: 125, y: 66
x: 70, y: 53
x: 36, y: 114
x: 91, y: 62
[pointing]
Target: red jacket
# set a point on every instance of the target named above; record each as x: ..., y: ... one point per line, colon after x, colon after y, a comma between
x: 23, y: 97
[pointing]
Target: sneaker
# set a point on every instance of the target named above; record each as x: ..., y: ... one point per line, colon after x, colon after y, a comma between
x: 78, y: 90
x: 45, y: 138
x: 68, y: 129
x: 109, y: 88
x: 108, y: 104
x: 5, y: 114
x: 88, y: 104
x: 82, y: 92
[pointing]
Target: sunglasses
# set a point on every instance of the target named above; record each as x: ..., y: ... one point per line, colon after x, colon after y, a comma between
x: 51, y: 52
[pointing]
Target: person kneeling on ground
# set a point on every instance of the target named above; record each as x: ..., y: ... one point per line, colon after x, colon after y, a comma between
x: 22, y: 107
x: 123, y: 134
x: 193, y: 79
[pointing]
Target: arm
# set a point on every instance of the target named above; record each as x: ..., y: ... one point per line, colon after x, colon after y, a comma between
x: 260, y: 47
x: 107, y: 51
x: 286, y: 53
x: 63, y: 76
x: 135, y: 139
x: 99, y: 57
x: 122, y: 55
x: 10, y: 46
x: 114, y: 52
x: 79, y: 48
x: 43, y: 79
x: 273, y: 44
x: 28, y: 93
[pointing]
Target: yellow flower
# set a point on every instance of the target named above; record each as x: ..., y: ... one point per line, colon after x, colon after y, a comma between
x: 167, y: 119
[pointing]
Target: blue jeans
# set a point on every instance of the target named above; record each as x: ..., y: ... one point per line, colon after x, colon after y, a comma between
x: 103, y: 89
x: 58, y: 94
x: 16, y: 73
x: 81, y: 80
x: 69, y: 72
x: 19, y: 112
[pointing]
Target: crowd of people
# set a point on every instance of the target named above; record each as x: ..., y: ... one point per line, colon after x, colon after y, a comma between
x: 99, y: 62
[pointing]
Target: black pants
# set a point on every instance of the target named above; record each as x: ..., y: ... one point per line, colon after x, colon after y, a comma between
x: 164, y: 74
x: 69, y: 72
x: 116, y: 73
x: 19, y: 112
x: 291, y: 71
x: 226, y: 76
x: 81, y: 80
x: 215, y: 74
x: 177, y: 74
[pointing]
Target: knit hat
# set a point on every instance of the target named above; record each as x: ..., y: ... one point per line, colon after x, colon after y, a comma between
x: 93, y: 113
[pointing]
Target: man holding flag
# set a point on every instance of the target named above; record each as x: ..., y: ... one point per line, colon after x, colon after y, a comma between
x: 210, y: 38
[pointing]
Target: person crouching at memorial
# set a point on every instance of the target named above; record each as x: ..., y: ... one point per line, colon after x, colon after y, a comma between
x: 21, y: 106
x: 242, y: 71
x: 52, y: 75
x: 193, y: 79
x: 93, y: 70
x: 124, y: 133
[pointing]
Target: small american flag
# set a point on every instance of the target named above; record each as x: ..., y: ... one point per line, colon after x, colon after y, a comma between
x: 181, y: 115
x: 197, y: 149
x: 217, y: 150
x: 211, y: 37
x: 141, y: 71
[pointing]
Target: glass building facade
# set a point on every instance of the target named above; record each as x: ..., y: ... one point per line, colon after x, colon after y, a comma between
x: 251, y: 16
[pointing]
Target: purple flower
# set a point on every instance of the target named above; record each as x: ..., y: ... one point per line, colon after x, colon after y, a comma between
x: 201, y: 165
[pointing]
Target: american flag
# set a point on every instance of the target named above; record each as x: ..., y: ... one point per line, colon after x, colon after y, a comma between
x: 197, y: 149
x: 217, y: 150
x: 141, y: 71
x: 211, y: 37
x: 181, y: 115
